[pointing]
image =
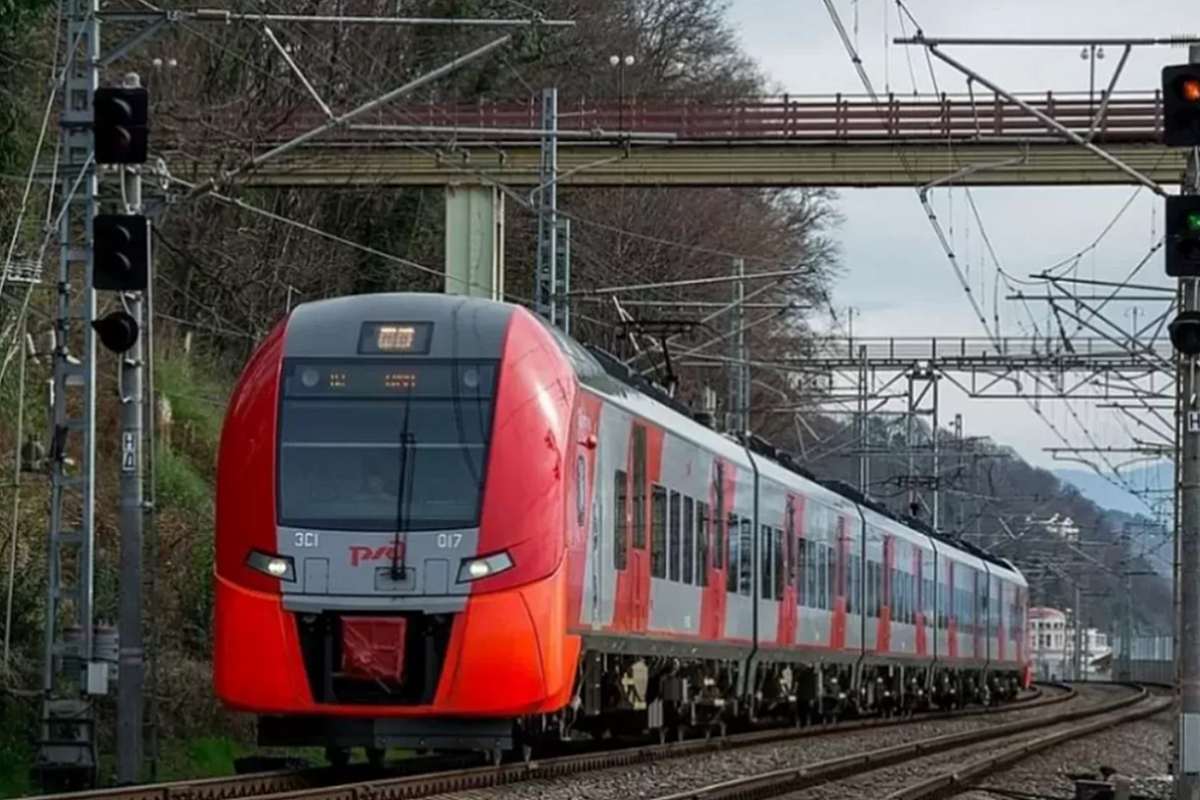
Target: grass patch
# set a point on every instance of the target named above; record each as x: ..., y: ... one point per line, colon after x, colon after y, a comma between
x: 206, y: 757
x: 196, y: 393
x: 179, y: 485
x: 17, y: 719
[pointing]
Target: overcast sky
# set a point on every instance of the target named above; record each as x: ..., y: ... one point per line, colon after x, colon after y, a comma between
x: 896, y: 273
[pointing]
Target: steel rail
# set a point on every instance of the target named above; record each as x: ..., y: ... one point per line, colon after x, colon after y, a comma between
x: 791, y: 779
x: 324, y: 783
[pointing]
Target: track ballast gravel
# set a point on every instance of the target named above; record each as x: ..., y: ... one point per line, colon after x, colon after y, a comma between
x: 694, y: 772
x: 1140, y: 750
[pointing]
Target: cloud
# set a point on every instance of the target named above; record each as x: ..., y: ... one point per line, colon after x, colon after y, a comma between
x: 897, y: 275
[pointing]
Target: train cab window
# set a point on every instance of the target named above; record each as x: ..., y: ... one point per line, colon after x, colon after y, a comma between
x: 376, y: 445
x: 675, y: 551
x: 746, y: 586
x: 689, y: 541
x: 766, y: 550
x: 621, y: 520
x: 702, y: 520
x: 735, y: 546
x: 658, y: 532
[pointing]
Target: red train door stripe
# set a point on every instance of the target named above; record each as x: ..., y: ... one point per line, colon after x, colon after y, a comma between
x: 1000, y: 634
x: 922, y: 646
x: 579, y: 508
x: 837, y: 639
x: 952, y: 625
x: 785, y: 632
x: 976, y: 628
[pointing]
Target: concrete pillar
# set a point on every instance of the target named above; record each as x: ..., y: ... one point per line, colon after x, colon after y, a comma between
x: 475, y: 241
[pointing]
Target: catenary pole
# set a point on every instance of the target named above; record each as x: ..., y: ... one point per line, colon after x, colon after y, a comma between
x: 1187, y: 786
x: 130, y: 670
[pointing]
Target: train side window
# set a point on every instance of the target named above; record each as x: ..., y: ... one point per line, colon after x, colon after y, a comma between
x: 639, y: 487
x: 718, y: 549
x: 689, y: 541
x: 731, y: 576
x: 766, y: 556
x: 893, y: 594
x: 801, y: 571
x: 826, y: 576
x: 675, y: 553
x: 781, y: 564
x: 621, y: 520
x: 818, y: 565
x: 870, y: 589
x: 747, y: 584
x: 658, y: 532
x: 702, y: 521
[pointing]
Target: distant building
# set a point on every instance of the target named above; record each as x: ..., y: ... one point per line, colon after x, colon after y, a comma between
x: 1058, y: 526
x: 1052, y: 647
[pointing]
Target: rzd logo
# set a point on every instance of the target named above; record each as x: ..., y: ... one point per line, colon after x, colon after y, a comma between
x: 388, y: 552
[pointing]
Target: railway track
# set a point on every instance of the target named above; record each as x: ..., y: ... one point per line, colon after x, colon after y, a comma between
x: 937, y: 767
x: 429, y: 775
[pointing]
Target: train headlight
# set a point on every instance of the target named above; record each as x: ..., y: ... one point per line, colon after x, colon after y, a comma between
x: 281, y: 567
x: 472, y: 569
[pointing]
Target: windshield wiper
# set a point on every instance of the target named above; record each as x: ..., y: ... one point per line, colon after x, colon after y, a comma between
x: 408, y: 448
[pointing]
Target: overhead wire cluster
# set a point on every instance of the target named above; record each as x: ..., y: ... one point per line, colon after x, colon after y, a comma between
x: 991, y: 328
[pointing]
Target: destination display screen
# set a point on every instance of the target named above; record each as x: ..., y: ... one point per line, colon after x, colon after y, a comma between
x: 412, y: 338
x: 380, y: 379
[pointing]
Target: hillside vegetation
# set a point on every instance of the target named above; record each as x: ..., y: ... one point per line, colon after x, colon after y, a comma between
x: 227, y: 271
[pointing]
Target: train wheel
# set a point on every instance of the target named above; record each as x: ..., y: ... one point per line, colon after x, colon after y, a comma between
x: 376, y: 756
x: 337, y: 756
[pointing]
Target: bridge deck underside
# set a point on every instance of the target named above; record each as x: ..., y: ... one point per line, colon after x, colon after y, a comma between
x: 705, y: 164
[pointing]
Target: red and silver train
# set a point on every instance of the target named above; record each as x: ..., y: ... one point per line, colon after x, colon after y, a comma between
x: 443, y: 524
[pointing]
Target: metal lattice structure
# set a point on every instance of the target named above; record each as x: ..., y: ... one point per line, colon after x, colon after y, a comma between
x: 77, y: 654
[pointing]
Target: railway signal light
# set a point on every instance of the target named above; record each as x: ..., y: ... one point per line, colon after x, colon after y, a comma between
x: 1181, y: 105
x: 122, y: 252
x: 118, y: 331
x: 1185, y: 332
x: 121, y: 124
x: 1183, y: 236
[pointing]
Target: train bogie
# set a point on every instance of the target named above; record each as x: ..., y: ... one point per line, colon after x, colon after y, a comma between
x: 442, y: 524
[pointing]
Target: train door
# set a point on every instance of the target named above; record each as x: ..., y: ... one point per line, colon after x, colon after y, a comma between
x: 596, y: 538
x: 788, y: 609
x: 639, y: 557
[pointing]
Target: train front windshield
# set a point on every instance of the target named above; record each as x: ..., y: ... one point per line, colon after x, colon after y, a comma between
x: 383, y: 445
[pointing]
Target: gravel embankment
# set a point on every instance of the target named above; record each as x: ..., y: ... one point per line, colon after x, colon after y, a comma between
x: 677, y: 775
x: 1140, y: 750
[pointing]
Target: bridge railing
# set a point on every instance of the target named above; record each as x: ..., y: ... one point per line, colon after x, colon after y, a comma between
x: 1126, y: 118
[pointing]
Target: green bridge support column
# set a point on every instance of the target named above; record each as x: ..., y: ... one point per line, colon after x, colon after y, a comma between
x: 475, y: 241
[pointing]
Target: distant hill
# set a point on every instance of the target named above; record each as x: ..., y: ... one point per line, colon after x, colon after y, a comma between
x: 1154, y: 478
x: 1127, y: 511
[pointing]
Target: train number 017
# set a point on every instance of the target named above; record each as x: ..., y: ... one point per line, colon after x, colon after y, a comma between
x: 449, y: 539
